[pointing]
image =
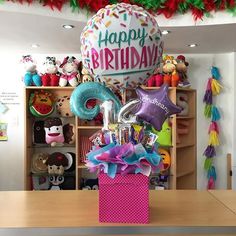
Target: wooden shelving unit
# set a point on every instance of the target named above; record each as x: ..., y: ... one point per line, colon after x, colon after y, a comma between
x: 183, y: 167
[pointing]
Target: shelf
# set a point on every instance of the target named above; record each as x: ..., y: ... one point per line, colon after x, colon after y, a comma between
x: 89, y: 127
x: 184, y: 117
x: 49, y: 146
x: 50, y: 87
x: 184, y: 173
x: 183, y: 145
x: 82, y: 166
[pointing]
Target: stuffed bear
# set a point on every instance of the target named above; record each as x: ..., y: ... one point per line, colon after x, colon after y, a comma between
x: 51, y: 75
x: 181, y: 68
x: 69, y: 72
x: 31, y: 76
x: 54, y: 131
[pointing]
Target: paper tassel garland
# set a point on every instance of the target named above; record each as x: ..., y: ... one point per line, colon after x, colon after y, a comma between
x: 213, y: 88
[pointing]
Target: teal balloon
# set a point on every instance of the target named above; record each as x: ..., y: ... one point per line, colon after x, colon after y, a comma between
x: 87, y: 91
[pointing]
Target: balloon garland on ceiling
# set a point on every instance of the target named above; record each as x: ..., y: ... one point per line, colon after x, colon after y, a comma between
x: 211, y: 112
x: 168, y: 8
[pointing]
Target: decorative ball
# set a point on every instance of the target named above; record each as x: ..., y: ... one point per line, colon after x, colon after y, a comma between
x: 121, y: 45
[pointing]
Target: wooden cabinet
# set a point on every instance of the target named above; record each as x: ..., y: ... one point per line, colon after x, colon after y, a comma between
x: 182, y: 150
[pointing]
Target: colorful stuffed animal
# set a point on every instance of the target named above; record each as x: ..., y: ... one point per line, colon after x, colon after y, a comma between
x: 56, y: 163
x: 170, y: 76
x: 86, y: 77
x: 31, y: 76
x: 54, y: 131
x: 69, y: 72
x: 51, y: 76
x: 164, y: 136
x: 181, y: 68
x: 156, y: 80
x: 56, y: 181
x: 41, y: 103
x: 166, y: 159
x: 63, y: 106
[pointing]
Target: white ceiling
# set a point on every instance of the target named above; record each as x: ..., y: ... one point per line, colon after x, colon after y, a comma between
x: 20, y: 30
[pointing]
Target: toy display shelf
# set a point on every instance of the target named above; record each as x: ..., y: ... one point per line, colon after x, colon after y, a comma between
x: 183, y: 154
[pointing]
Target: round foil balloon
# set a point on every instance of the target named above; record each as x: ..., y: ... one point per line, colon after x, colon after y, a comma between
x: 121, y: 45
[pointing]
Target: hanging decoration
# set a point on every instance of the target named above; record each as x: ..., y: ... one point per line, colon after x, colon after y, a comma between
x: 168, y: 8
x: 213, y: 88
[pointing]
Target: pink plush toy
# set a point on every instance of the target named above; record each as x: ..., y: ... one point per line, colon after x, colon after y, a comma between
x: 51, y: 76
x: 70, y: 73
x: 54, y: 131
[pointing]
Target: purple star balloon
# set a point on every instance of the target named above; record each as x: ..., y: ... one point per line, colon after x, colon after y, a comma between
x: 155, y: 106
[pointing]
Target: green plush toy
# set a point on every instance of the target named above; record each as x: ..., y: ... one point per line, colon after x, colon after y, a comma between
x: 164, y: 136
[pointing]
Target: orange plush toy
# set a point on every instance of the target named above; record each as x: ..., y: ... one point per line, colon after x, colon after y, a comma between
x: 171, y: 76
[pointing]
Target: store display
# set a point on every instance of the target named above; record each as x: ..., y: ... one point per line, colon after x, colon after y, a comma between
x: 70, y: 74
x: 119, y: 48
x: 41, y: 103
x: 51, y: 75
x: 31, y: 77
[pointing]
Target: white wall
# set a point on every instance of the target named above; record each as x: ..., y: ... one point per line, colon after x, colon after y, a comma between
x: 11, y: 152
x: 199, y: 72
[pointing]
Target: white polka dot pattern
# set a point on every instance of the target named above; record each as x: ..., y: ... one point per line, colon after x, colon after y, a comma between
x: 124, y: 199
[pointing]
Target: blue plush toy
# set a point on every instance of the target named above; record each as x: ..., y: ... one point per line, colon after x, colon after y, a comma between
x: 31, y: 76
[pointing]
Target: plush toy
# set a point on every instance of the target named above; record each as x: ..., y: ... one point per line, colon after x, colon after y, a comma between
x: 164, y: 136
x: 54, y: 131
x: 56, y: 181
x: 56, y: 163
x: 156, y: 80
x: 69, y: 183
x: 41, y: 104
x: 31, y: 76
x: 170, y: 76
x: 40, y: 182
x: 166, y: 159
x: 90, y: 184
x: 71, y: 162
x: 69, y: 133
x: 63, y: 106
x: 38, y: 163
x: 51, y: 75
x: 39, y: 132
x: 181, y: 68
x: 182, y: 101
x: 69, y: 72
x: 86, y: 77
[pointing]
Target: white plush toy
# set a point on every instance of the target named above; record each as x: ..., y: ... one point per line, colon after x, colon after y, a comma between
x: 70, y: 74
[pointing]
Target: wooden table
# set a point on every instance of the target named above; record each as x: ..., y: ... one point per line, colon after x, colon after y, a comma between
x: 76, y: 213
x: 226, y: 197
